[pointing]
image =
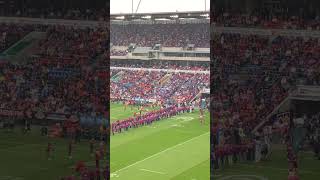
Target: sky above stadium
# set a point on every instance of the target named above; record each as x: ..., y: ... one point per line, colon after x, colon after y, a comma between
x: 149, y: 6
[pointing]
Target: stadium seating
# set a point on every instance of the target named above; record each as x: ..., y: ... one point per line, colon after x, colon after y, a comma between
x: 254, y: 74
x: 143, y: 84
x: 65, y: 81
x: 260, y: 19
x: 169, y: 35
x: 271, y: 69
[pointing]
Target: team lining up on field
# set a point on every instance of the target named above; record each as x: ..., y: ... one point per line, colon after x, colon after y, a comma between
x: 139, y: 119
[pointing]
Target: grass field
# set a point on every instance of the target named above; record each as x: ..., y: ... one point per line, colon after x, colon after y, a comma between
x: 176, y: 148
x: 23, y: 157
x: 274, y: 169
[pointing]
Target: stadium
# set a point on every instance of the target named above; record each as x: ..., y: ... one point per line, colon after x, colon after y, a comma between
x: 266, y: 89
x: 159, y: 92
x: 54, y: 98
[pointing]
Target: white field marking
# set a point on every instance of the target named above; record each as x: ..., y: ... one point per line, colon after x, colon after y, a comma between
x: 114, y: 175
x: 177, y: 125
x: 168, y: 149
x: 152, y: 171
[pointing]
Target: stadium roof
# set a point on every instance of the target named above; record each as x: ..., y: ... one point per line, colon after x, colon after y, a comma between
x: 162, y: 16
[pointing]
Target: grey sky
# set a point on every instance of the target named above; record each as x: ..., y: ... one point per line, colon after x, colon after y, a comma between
x: 148, y: 6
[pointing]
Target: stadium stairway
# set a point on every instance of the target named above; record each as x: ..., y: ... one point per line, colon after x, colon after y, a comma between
x: 165, y: 79
x: 304, y: 93
x: 18, y: 52
x: 117, y: 77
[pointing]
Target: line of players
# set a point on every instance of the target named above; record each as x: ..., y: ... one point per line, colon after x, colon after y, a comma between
x: 140, y: 119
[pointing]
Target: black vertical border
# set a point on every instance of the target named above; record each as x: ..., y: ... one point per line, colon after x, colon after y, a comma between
x: 212, y: 89
x: 107, y: 63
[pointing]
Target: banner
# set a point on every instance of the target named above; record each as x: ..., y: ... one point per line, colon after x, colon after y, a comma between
x: 88, y: 120
x: 5, y: 112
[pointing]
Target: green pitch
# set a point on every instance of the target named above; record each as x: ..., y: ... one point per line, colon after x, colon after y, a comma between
x: 274, y: 169
x: 176, y: 148
x: 23, y: 157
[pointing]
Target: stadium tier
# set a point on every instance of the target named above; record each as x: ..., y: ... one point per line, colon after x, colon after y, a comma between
x: 265, y: 21
x: 64, y: 82
x: 76, y: 10
x: 169, y: 35
x: 162, y: 86
x: 52, y: 90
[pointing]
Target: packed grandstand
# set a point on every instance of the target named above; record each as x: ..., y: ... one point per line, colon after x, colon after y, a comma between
x: 52, y: 87
x: 164, y: 62
x: 266, y: 64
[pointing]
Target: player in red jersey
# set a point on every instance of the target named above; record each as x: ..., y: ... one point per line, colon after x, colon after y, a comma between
x: 49, y: 151
x: 98, y: 177
x: 141, y: 110
x: 131, y: 103
x: 98, y: 156
x: 80, y: 166
x: 102, y: 148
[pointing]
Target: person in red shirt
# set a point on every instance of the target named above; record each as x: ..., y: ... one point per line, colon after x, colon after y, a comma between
x: 98, y: 174
x: 49, y: 150
x: 102, y: 148
x: 80, y: 166
x: 98, y: 156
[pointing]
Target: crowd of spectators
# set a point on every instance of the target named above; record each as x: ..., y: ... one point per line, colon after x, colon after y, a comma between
x: 61, y: 77
x: 115, y: 52
x: 254, y: 74
x: 69, y: 13
x: 262, y: 19
x: 169, y: 35
x: 174, y: 87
